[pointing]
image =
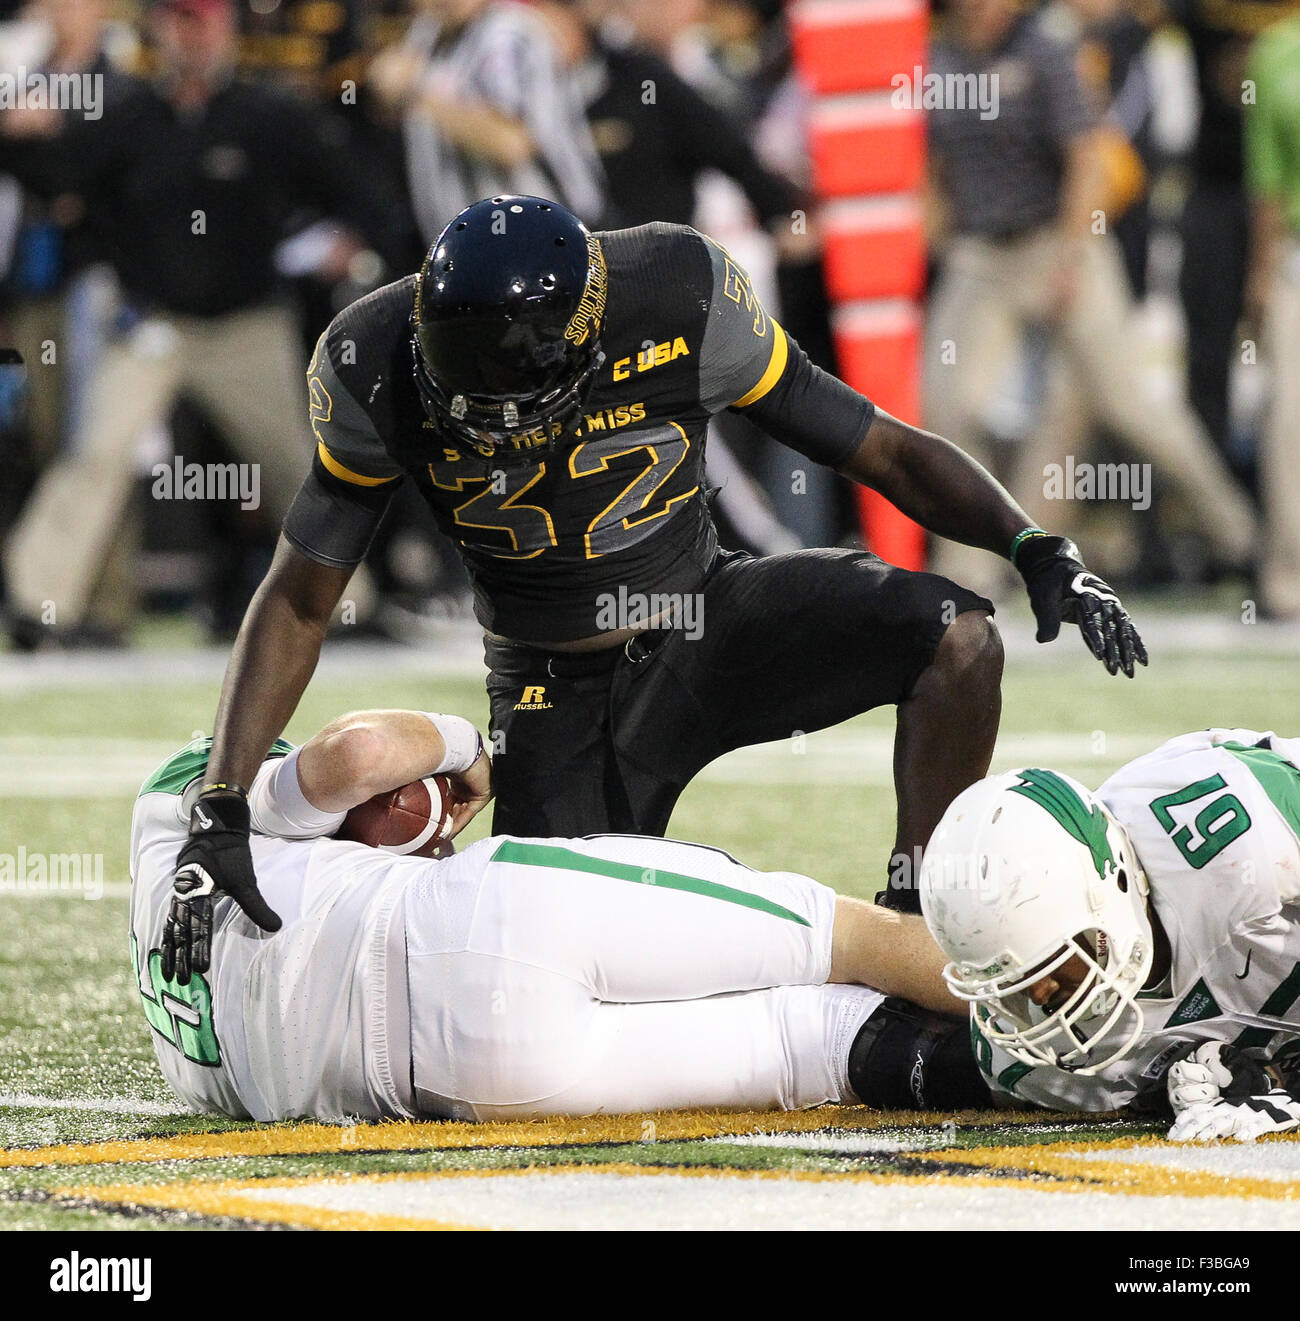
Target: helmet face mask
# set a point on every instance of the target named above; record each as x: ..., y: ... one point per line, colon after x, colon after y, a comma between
x: 509, y: 306
x: 1096, y: 1024
x: 500, y: 428
x: 1058, y: 884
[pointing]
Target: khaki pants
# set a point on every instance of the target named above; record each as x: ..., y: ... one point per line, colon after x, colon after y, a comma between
x: 1280, y: 460
x: 242, y: 369
x: 989, y: 293
x: 36, y: 322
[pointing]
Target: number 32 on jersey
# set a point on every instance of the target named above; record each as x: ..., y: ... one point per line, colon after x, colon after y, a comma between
x: 502, y: 516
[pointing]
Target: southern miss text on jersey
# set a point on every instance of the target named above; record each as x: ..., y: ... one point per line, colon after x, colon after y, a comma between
x: 1215, y: 820
x: 621, y: 501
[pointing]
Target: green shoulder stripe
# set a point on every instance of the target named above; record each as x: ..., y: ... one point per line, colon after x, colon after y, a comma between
x: 1278, y: 778
x: 189, y: 763
x: 550, y: 855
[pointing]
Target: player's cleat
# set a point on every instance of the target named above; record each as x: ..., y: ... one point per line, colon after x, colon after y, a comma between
x: 900, y: 892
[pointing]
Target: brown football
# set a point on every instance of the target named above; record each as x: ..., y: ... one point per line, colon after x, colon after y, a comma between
x: 412, y: 819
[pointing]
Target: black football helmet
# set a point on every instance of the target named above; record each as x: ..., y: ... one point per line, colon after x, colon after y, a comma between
x: 509, y: 306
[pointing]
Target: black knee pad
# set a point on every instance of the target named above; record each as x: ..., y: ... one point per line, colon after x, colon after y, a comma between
x: 907, y: 1058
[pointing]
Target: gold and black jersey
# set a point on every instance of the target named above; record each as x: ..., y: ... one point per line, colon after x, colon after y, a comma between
x: 620, y: 501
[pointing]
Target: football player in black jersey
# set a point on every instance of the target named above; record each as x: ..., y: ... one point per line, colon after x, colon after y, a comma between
x: 548, y: 390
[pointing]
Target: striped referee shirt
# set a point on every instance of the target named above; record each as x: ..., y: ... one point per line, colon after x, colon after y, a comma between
x: 502, y: 58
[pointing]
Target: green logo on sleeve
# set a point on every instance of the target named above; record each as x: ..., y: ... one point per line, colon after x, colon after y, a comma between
x: 1086, y: 823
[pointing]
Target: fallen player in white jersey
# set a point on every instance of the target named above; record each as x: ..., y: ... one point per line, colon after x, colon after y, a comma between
x: 1139, y: 947
x: 519, y: 978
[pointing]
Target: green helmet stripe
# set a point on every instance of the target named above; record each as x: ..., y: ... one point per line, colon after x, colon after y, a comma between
x: 1087, y: 823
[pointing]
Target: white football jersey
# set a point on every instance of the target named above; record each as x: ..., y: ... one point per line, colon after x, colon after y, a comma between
x: 515, y: 979
x: 1215, y: 820
x: 309, y: 1021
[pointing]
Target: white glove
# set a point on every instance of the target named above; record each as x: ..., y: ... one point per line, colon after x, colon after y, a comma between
x: 1274, y: 1112
x: 1200, y: 1079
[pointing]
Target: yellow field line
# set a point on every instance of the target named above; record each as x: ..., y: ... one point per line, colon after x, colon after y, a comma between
x: 1072, y: 1160
x: 229, y: 1198
x: 317, y: 1139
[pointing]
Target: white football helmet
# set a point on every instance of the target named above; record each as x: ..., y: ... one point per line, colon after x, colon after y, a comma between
x: 1025, y: 871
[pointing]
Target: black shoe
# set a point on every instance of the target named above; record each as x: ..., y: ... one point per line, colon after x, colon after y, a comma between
x: 27, y: 634
x: 901, y: 901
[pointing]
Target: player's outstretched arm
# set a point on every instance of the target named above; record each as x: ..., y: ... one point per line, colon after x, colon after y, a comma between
x: 891, y: 951
x: 272, y: 661
x: 749, y: 364
x: 948, y: 493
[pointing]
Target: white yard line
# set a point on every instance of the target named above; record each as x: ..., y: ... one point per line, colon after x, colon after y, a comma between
x: 457, y: 652
x: 68, y: 766
x: 861, y: 756
x: 109, y: 1106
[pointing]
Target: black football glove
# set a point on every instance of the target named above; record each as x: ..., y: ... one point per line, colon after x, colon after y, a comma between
x: 1060, y: 588
x: 216, y: 857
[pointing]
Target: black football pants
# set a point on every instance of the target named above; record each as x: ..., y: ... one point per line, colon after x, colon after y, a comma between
x: 606, y: 741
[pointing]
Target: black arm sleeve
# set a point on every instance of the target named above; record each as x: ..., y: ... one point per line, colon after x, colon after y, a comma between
x: 812, y: 411
x: 333, y: 521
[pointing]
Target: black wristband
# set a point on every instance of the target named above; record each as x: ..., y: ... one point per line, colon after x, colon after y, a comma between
x: 223, y: 808
x: 1042, y: 546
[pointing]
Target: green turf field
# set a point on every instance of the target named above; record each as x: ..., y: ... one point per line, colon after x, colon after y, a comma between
x: 76, y: 1063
